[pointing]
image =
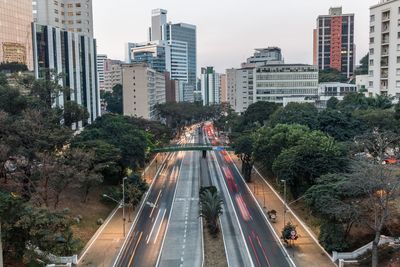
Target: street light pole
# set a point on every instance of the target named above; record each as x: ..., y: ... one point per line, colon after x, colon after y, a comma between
x: 284, y: 205
x: 123, y: 202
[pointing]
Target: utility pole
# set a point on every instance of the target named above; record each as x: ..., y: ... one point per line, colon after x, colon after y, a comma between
x: 123, y: 203
x: 284, y: 204
x: 1, y: 249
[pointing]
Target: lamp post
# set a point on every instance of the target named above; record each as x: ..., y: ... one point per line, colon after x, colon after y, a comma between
x: 284, y: 205
x: 123, y: 201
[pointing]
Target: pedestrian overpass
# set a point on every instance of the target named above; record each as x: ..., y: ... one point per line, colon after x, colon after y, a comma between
x: 191, y: 147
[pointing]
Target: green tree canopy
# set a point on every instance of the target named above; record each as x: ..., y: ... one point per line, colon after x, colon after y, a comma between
x: 296, y: 113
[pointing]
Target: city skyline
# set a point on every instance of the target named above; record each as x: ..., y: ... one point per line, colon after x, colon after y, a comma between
x: 217, y: 29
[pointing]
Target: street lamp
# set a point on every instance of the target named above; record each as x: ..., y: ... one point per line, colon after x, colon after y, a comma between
x: 122, y: 203
x: 284, y: 205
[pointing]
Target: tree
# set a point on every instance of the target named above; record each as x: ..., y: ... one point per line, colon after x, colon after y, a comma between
x: 257, y: 114
x: 332, y: 103
x: 74, y: 113
x: 270, y: 142
x: 211, y: 209
x: 296, y: 113
x: 381, y: 119
x: 363, y: 68
x: 12, y: 67
x: 315, y: 154
x: 114, y: 99
x: 243, y: 146
x: 11, y: 101
x: 331, y: 75
x: 341, y: 125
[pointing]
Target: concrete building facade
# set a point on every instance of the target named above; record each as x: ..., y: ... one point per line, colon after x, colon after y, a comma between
x: 68, y: 15
x: 334, y: 46
x: 384, y: 49
x: 16, y: 32
x: 210, y: 86
x: 273, y: 83
x: 74, y: 56
x: 224, y: 88
x: 143, y: 88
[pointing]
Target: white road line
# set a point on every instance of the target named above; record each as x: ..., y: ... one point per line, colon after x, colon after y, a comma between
x: 155, y: 203
x: 152, y: 228
x: 161, y: 223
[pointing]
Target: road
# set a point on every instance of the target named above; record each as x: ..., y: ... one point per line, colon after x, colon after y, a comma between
x: 150, y: 241
x: 261, y: 243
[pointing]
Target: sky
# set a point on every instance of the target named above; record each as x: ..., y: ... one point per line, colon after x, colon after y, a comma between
x: 228, y: 30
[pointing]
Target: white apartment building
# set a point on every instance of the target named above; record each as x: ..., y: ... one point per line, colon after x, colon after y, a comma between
x: 68, y: 15
x: 273, y: 83
x: 101, y: 62
x: 143, y: 88
x: 210, y: 86
x: 240, y: 88
x: 231, y: 87
x: 384, y: 49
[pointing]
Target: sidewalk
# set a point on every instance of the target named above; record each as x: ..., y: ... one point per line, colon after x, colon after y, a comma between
x: 103, y: 248
x: 306, y: 250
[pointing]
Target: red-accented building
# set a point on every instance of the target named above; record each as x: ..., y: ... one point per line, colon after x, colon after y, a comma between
x: 334, y: 46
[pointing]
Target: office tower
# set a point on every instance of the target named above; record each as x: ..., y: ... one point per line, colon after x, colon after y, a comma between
x: 181, y: 38
x: 284, y: 82
x: 68, y: 15
x: 143, y: 88
x: 74, y: 56
x: 16, y: 32
x: 156, y: 54
x: 231, y: 87
x: 224, y: 88
x: 158, y: 22
x: 334, y: 46
x: 269, y: 55
x: 210, y: 86
x: 384, y: 49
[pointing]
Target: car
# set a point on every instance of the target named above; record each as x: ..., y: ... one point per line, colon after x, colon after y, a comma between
x: 391, y: 160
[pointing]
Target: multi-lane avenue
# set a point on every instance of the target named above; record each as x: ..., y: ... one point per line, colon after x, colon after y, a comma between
x: 167, y: 231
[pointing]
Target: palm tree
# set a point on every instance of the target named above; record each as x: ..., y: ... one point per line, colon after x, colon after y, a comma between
x: 210, y: 209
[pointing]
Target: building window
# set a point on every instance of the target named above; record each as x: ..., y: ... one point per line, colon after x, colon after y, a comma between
x: 78, y: 13
x: 56, y: 19
x: 397, y: 84
x: 55, y: 11
x: 371, y: 51
x: 79, y: 22
x: 372, y: 18
x: 371, y: 40
x: 78, y: 5
x: 56, y: 3
x: 70, y: 22
x: 70, y: 14
x: 70, y: 5
x: 398, y: 72
x: 398, y: 59
x: 371, y: 73
x: 372, y: 29
x: 62, y: 5
x: 371, y: 62
x: 371, y: 84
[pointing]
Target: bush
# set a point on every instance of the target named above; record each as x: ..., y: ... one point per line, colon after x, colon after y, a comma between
x: 331, y: 237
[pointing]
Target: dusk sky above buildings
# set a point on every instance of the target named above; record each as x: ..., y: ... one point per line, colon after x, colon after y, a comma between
x: 228, y: 30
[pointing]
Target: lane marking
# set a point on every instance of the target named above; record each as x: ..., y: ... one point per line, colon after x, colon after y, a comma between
x: 155, y: 203
x: 262, y: 249
x: 161, y: 223
x: 134, y: 250
x: 255, y: 252
x: 152, y: 228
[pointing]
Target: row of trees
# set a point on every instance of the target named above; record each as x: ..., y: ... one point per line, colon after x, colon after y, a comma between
x: 332, y: 158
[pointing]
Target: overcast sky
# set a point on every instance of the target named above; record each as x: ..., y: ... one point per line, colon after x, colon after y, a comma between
x: 228, y: 30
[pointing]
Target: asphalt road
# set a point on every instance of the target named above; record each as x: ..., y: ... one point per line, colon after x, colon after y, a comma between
x: 146, y: 238
x: 263, y: 247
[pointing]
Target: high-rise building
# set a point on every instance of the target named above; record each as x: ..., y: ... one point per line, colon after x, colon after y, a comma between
x: 143, y: 88
x: 68, y: 15
x: 231, y: 87
x: 158, y: 22
x: 16, y: 32
x: 74, y: 56
x: 334, y: 46
x: 384, y: 49
x: 210, y: 86
x: 224, y: 88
